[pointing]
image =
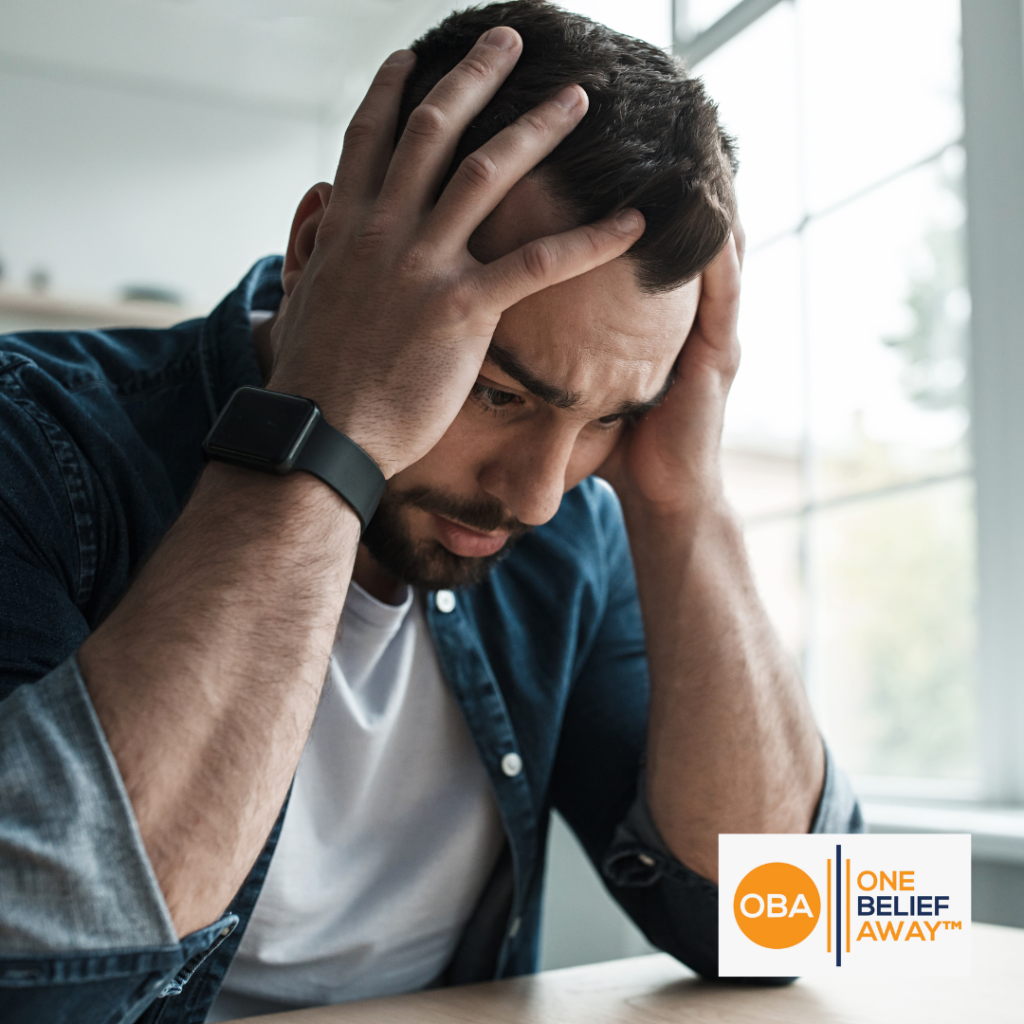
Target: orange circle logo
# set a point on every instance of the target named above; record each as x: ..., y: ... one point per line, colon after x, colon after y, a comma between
x: 777, y: 905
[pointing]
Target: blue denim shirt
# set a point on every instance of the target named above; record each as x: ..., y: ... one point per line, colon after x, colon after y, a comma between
x: 99, y: 446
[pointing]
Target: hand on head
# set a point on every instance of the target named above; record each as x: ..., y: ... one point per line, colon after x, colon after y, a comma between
x: 670, y: 459
x: 387, y: 316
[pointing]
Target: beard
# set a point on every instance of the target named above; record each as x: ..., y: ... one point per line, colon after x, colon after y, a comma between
x: 426, y: 562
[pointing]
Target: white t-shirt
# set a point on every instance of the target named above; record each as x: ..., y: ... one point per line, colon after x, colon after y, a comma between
x: 390, y: 835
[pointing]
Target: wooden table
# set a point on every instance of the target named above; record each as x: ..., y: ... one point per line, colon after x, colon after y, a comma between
x: 658, y: 990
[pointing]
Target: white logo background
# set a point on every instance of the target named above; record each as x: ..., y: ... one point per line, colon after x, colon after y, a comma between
x: 941, y: 866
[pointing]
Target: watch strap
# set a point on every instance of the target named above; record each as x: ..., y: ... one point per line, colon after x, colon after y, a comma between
x: 343, y: 465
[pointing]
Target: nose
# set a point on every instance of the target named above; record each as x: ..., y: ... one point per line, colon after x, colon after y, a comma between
x: 527, y: 475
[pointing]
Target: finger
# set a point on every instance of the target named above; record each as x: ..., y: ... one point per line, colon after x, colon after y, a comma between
x: 434, y: 128
x: 741, y: 239
x: 370, y: 136
x: 547, y: 261
x: 486, y: 175
x: 718, y: 310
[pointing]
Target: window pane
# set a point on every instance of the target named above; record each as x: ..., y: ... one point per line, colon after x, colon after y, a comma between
x: 774, y: 550
x: 888, y: 316
x: 753, y: 80
x: 855, y: 332
x: 645, y: 19
x: 764, y: 417
x: 881, y: 88
x: 893, y: 654
x: 699, y: 14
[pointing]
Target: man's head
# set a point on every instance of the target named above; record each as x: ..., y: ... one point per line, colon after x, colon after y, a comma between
x: 650, y: 139
x: 571, y: 366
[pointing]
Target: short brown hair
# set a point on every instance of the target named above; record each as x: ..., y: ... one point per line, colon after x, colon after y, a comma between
x: 650, y: 139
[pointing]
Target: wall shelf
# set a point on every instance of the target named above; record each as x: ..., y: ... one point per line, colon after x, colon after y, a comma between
x: 30, y: 310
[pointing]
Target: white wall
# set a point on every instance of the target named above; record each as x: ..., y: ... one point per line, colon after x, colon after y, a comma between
x: 106, y: 188
x: 143, y: 141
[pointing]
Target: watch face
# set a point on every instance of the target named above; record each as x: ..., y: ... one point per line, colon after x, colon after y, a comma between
x: 262, y: 425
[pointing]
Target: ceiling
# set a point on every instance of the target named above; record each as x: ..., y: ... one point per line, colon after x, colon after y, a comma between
x: 305, y: 58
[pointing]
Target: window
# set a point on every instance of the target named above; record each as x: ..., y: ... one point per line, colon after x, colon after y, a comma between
x: 645, y: 19
x: 847, y: 448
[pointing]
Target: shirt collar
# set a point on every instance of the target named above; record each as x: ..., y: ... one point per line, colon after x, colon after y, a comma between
x: 228, y: 353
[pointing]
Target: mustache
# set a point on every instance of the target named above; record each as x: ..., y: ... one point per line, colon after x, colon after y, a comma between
x: 479, y: 514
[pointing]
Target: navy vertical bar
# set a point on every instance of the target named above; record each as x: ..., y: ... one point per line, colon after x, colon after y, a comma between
x: 839, y: 906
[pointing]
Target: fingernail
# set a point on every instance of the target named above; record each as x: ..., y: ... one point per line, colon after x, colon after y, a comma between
x: 628, y: 221
x: 401, y: 57
x: 501, y: 38
x: 568, y: 97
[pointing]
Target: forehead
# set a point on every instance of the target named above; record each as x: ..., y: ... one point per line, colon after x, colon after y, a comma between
x: 597, y: 334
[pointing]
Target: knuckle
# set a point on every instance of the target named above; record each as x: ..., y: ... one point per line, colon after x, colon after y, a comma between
x: 532, y: 122
x: 427, y: 121
x: 733, y: 358
x: 728, y: 367
x: 479, y: 170
x: 595, y: 242
x: 361, y: 128
x: 370, y: 235
x: 474, y: 67
x: 539, y: 260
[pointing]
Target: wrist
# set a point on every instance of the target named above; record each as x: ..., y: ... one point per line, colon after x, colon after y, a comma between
x: 690, y: 499
x: 254, y: 504
x: 280, y: 434
x: 345, y: 415
x: 674, y: 534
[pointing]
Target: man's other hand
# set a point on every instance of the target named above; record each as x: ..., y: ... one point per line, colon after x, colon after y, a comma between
x: 670, y: 460
x: 387, y: 316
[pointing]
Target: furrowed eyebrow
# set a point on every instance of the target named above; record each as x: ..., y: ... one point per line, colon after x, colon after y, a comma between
x: 544, y: 390
x: 559, y: 397
x: 634, y: 410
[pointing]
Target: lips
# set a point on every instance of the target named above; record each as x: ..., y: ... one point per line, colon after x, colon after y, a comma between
x: 461, y: 540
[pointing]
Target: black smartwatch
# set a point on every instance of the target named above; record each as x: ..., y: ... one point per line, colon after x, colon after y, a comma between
x: 278, y: 433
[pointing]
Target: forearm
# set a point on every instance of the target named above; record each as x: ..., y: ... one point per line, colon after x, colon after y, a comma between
x: 732, y: 744
x: 206, y: 677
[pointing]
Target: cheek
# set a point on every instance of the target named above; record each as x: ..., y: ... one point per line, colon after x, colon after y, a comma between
x: 589, y: 453
x: 470, y: 442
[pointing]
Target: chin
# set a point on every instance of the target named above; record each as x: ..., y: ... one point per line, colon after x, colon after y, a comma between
x: 426, y: 562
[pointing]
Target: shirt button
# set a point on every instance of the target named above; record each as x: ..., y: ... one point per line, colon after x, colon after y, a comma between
x: 511, y: 765
x: 444, y: 601
x: 645, y: 859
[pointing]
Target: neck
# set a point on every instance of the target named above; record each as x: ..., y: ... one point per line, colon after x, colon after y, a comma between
x: 376, y: 580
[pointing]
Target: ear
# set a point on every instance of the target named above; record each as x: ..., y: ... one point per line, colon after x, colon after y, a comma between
x: 303, y: 236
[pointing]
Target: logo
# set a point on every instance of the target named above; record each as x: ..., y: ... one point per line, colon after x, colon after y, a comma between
x: 895, y: 905
x: 777, y: 905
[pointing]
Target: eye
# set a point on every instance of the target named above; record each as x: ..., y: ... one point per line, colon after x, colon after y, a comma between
x: 617, y: 419
x: 493, y: 398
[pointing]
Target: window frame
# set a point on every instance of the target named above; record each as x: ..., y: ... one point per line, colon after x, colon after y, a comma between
x: 993, y: 85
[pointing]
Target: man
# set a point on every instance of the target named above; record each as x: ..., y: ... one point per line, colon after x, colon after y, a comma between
x: 492, y: 309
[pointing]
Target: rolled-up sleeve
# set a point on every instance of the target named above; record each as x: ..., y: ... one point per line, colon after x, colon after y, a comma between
x: 598, y: 782
x: 85, y: 933
x: 73, y: 870
x: 685, y: 904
